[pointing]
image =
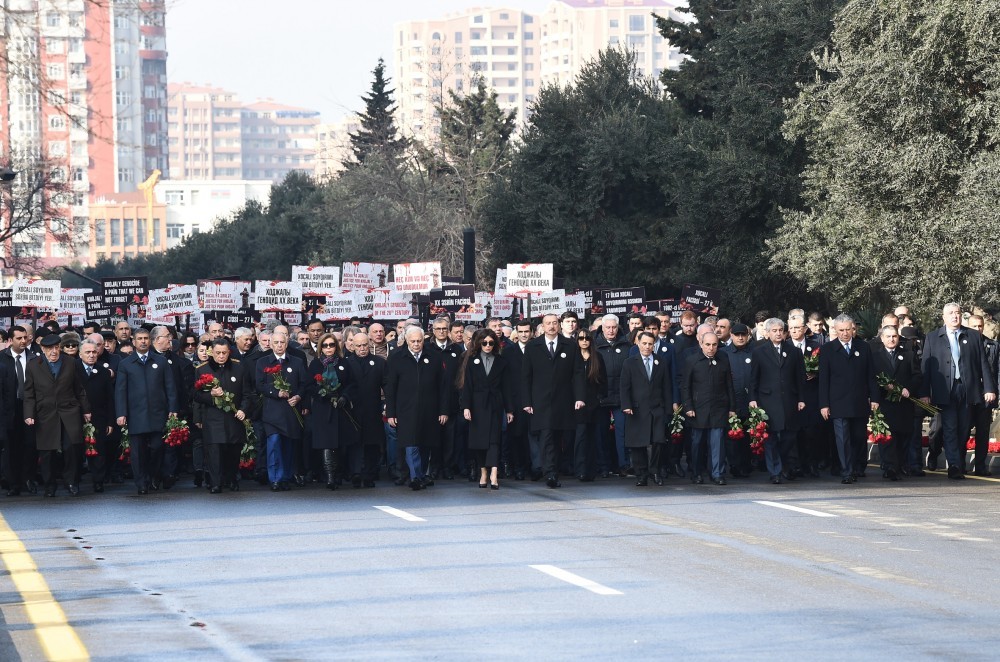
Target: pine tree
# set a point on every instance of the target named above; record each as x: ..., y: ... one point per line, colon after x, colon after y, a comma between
x: 378, y: 133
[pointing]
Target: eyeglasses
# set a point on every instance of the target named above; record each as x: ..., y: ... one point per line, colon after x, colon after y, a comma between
x: 583, y: 339
x: 70, y: 346
x: 331, y: 345
x: 190, y: 344
x: 488, y: 343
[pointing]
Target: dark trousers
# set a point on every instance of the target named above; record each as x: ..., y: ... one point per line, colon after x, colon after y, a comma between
x: 361, y: 460
x: 370, y: 457
x: 551, y: 442
x: 447, y: 457
x: 956, y: 421
x: 585, y: 445
x: 893, y: 455
x: 101, y: 464
x: 640, y: 460
x: 222, y: 462
x: 708, y: 451
x: 147, y: 458
x: 982, y: 418
x: 851, y: 444
x: 20, y: 459
x: 67, y: 459
x: 777, y: 448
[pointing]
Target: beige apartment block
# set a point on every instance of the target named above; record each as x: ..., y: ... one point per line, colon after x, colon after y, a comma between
x: 517, y: 52
x: 215, y: 135
x: 333, y: 145
x: 431, y: 57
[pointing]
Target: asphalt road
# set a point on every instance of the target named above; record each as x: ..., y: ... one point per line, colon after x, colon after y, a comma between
x: 875, y: 570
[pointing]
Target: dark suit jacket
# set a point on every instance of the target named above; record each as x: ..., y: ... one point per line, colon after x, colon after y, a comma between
x: 416, y: 393
x: 56, y: 403
x: 221, y: 427
x: 451, y: 358
x: 183, y: 371
x: 488, y: 398
x: 905, y: 369
x: 707, y: 390
x: 939, y: 373
x: 100, y: 387
x: 847, y: 383
x: 741, y: 363
x: 278, y: 417
x: 551, y: 386
x: 370, y: 374
x: 776, y: 384
x: 145, y: 394
x: 650, y: 399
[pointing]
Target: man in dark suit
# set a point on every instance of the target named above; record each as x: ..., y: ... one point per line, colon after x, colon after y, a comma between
x: 20, y: 457
x: 957, y: 378
x: 741, y: 363
x: 848, y: 394
x: 282, y: 428
x: 899, y: 364
x: 708, y: 401
x: 450, y: 458
x: 647, y: 399
x: 517, y: 450
x: 369, y: 370
x: 777, y: 378
x: 183, y: 372
x: 100, y: 386
x: 552, y: 387
x: 416, y: 402
x: 55, y: 403
x: 224, y: 431
x: 813, y: 441
x: 145, y: 396
x: 982, y: 415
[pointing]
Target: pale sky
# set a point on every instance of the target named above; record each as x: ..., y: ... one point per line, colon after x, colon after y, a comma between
x: 317, y: 54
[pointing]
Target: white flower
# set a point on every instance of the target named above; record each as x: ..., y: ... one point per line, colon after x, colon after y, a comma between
x: 562, y: 354
x: 476, y: 361
x: 372, y: 362
x: 233, y: 378
x: 288, y: 369
x: 857, y: 353
x: 748, y: 360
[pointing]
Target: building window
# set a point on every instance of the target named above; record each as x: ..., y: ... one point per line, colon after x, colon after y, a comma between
x: 54, y: 45
x: 504, y: 17
x: 75, y: 19
x: 637, y: 40
x: 529, y: 66
x: 528, y: 36
x: 477, y: 50
x: 140, y: 234
x: 126, y: 175
x: 614, y: 22
x: 156, y: 232
x: 58, y: 175
x: 52, y: 19
x: 458, y: 37
x: 123, y: 98
x: 636, y: 23
x: 129, y: 232
x: 55, y: 71
x: 613, y: 39
x: 57, y: 123
x: 57, y: 149
x: 529, y: 82
x: 529, y: 50
x: 99, y: 230
x: 75, y: 45
x: 477, y: 19
x: 116, y: 232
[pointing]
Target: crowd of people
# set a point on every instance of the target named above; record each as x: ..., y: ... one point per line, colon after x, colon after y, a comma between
x: 640, y: 398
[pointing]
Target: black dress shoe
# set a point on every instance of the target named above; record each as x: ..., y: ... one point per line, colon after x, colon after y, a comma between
x: 98, y: 488
x: 275, y: 487
x: 142, y: 491
x: 889, y: 474
x: 642, y: 482
x: 813, y: 472
x: 215, y: 490
x: 776, y: 480
x: 846, y: 481
x: 416, y: 484
x: 262, y: 480
x: 199, y: 478
x: 536, y: 474
x: 399, y: 482
x: 356, y: 481
x: 679, y: 470
x: 586, y: 479
x: 234, y: 486
x: 955, y: 473
x: 720, y: 481
x: 553, y: 482
x: 658, y: 479
x: 932, y: 464
x: 169, y: 482
x: 284, y: 486
x: 788, y: 475
x: 917, y: 473
x: 427, y: 481
x: 31, y: 487
x: 494, y: 486
x: 699, y: 480
x: 483, y: 486
x: 982, y: 472
x: 860, y: 474
x: 155, y: 485
x: 74, y: 490
x: 50, y: 491
x: 368, y: 482
x: 299, y: 480
x: 519, y: 475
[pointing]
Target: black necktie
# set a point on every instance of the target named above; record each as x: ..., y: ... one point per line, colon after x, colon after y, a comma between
x: 20, y: 376
x: 142, y: 359
x: 552, y: 349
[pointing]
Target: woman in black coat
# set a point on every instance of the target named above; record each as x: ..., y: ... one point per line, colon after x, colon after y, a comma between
x: 485, y: 385
x: 332, y: 430
x: 589, y: 418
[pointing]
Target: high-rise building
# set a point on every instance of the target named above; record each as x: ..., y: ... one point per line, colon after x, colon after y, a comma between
x: 432, y: 57
x: 575, y: 31
x: 214, y: 135
x: 82, y: 89
x: 333, y: 145
x: 516, y: 52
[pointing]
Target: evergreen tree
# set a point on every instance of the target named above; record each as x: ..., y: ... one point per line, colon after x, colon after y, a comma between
x: 378, y: 124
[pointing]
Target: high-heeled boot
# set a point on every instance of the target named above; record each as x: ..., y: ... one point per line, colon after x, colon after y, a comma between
x: 330, y: 468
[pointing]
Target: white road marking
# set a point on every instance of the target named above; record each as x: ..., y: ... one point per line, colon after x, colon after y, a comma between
x: 576, y: 580
x: 806, y: 511
x: 401, y: 514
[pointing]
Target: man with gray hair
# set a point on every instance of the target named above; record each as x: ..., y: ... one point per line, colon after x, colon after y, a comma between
x: 848, y: 393
x: 956, y: 378
x: 614, y: 348
x: 777, y: 383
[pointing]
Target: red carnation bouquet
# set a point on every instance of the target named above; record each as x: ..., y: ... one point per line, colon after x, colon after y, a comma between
x: 735, y: 428
x: 224, y: 402
x: 677, y: 426
x: 248, y: 455
x: 177, y: 431
x: 878, y: 429
x: 812, y: 361
x: 281, y: 383
x: 125, y: 447
x: 756, y: 427
x: 90, y: 440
